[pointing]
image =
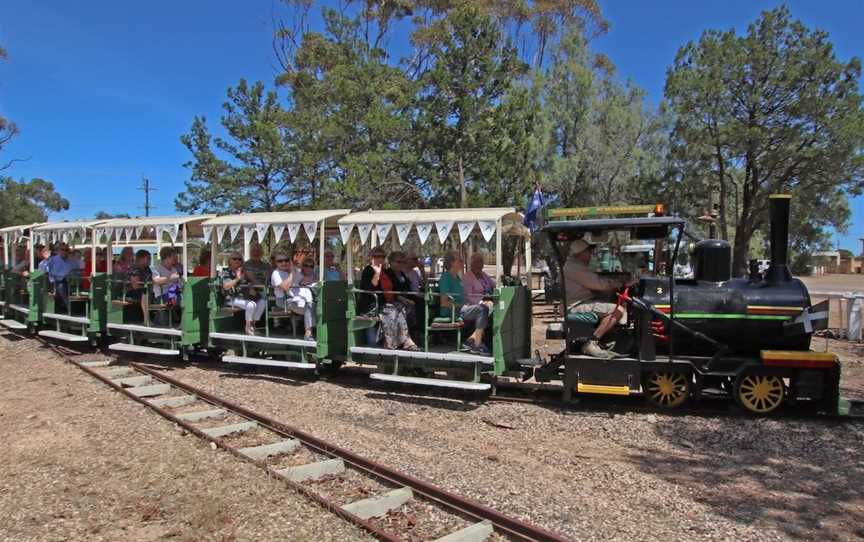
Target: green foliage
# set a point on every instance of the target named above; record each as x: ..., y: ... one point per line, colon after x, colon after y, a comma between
x: 8, y: 129
x: 770, y: 111
x: 23, y: 202
x: 253, y: 168
x: 104, y: 215
x: 603, y: 142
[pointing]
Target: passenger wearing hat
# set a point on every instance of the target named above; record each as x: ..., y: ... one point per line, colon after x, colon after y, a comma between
x: 582, y: 286
x: 239, y: 293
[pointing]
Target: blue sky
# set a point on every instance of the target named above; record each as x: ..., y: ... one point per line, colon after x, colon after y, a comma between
x: 102, y: 90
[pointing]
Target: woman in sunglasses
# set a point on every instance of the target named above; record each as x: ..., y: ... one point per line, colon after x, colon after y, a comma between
x: 293, y: 289
x: 235, y: 286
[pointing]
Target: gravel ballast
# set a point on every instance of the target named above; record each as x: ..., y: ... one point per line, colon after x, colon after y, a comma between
x: 82, y: 462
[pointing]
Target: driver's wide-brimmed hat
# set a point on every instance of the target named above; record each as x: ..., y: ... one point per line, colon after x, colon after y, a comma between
x: 579, y: 246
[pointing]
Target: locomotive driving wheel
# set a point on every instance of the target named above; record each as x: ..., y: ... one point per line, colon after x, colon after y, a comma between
x: 760, y: 393
x: 667, y: 389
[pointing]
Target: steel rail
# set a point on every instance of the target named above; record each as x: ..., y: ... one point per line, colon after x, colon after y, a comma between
x: 509, y: 526
x: 327, y: 504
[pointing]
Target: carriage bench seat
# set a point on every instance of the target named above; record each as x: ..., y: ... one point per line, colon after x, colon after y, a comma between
x: 444, y: 322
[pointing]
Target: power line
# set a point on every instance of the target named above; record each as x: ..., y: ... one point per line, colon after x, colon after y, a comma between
x: 147, y: 188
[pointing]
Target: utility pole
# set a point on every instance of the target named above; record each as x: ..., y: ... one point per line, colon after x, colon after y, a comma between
x: 147, y: 188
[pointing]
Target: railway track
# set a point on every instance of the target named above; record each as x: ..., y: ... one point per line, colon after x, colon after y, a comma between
x: 389, y: 504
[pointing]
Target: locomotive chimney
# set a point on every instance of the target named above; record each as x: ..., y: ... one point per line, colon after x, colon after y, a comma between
x: 779, y: 213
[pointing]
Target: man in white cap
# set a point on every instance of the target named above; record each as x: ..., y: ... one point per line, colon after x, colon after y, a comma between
x: 582, y: 286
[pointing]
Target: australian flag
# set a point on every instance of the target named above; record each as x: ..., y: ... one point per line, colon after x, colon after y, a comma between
x: 533, y: 208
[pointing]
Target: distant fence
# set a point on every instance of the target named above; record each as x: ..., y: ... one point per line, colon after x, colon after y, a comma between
x: 839, y: 315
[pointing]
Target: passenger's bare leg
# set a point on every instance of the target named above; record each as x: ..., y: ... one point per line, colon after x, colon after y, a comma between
x: 145, y: 310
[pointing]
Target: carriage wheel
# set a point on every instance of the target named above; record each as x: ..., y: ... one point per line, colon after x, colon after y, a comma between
x: 760, y: 393
x: 667, y: 389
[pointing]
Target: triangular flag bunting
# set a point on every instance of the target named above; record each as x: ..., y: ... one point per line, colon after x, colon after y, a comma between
x: 363, y: 230
x: 423, y: 231
x: 208, y: 231
x: 278, y: 230
x: 383, y: 230
x: 261, y: 230
x: 138, y: 231
x: 234, y: 229
x: 465, y: 229
x: 311, y: 228
x: 345, y: 232
x: 292, y: 231
x: 220, y: 232
x: 127, y: 232
x: 487, y: 228
x: 173, y: 229
x: 443, y: 228
x: 402, y: 231
x: 247, y: 234
x: 159, y: 232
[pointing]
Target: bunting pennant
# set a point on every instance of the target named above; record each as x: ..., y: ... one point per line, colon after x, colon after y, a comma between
x: 423, y: 231
x: 278, y: 230
x: 383, y: 230
x: 138, y: 231
x: 234, y: 229
x: 159, y: 232
x: 261, y: 230
x: 247, y: 234
x: 293, y: 229
x: 310, y: 228
x: 402, y: 231
x: 465, y: 229
x: 443, y: 227
x: 173, y: 229
x: 487, y: 228
x: 97, y: 235
x: 128, y: 233
x: 220, y: 232
x: 207, y: 231
x: 345, y: 232
x: 363, y: 230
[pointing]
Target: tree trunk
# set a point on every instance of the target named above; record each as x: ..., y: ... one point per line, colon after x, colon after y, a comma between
x: 463, y: 191
x: 721, y: 204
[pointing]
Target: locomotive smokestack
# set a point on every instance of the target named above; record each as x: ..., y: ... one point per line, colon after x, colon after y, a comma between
x: 779, y: 213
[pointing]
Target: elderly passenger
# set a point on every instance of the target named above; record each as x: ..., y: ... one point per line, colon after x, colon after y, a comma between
x: 478, y: 285
x: 398, y: 305
x: 257, y: 271
x: 140, y: 277
x: 232, y: 280
x: 452, y: 292
x: 168, y: 283
x: 59, y: 268
x: 293, y: 289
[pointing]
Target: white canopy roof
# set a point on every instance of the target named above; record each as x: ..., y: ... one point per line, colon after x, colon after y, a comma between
x: 11, y: 234
x: 425, y: 220
x: 51, y: 232
x: 151, y: 227
x: 260, y: 223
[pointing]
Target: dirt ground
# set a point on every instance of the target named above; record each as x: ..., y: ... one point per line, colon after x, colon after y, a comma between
x: 81, y: 462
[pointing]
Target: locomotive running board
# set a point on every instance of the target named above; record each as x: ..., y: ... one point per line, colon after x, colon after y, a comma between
x: 268, y: 362
x: 435, y: 382
x: 71, y: 337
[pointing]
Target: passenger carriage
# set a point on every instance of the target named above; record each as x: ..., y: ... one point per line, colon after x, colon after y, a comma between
x: 167, y: 329
x: 442, y: 362
x: 16, y: 310
x: 83, y: 317
x: 279, y: 340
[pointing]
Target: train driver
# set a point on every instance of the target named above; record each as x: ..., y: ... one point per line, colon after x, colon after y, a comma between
x: 583, y: 287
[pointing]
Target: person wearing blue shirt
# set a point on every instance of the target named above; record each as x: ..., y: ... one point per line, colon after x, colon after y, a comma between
x: 59, y: 267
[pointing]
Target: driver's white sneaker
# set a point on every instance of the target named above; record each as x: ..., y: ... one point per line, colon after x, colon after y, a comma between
x: 591, y: 348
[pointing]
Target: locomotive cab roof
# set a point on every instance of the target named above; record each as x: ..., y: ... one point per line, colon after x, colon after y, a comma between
x: 655, y: 227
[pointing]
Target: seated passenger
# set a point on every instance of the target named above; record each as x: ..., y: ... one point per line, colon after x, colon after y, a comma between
x: 398, y: 308
x: 22, y: 265
x: 101, y: 267
x: 292, y: 289
x: 168, y: 283
x: 203, y: 267
x: 478, y: 286
x: 44, y: 256
x: 453, y: 296
x: 231, y: 279
x: 331, y: 268
x: 582, y: 285
x: 124, y: 263
x: 257, y: 271
x: 140, y: 277
x: 59, y: 268
x: 416, y: 272
x: 370, y: 281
